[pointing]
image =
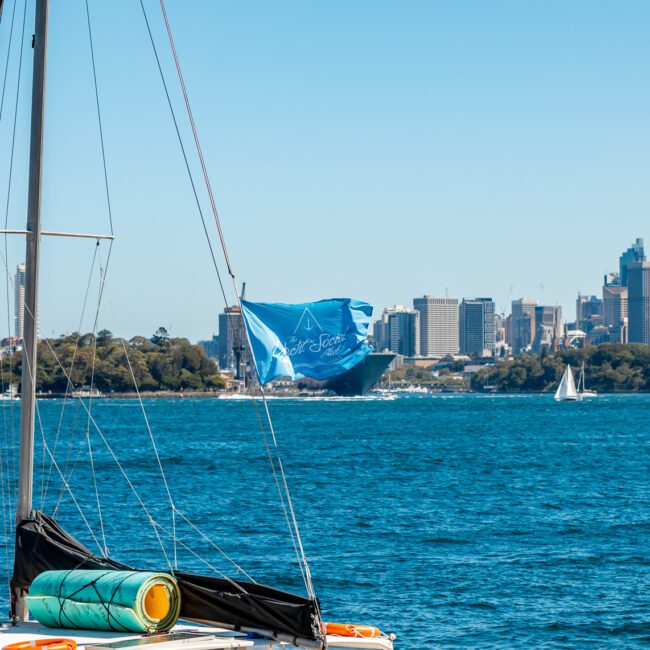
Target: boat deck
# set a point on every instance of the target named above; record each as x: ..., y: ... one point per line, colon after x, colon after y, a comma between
x: 181, y: 637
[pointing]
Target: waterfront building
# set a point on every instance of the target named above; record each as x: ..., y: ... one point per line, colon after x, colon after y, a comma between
x: 638, y: 306
x: 234, y: 353
x: 19, y: 300
x: 438, y: 325
x: 523, y: 324
x: 634, y: 253
x: 477, y: 327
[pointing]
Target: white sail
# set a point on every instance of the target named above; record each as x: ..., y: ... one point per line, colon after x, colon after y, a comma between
x: 567, y: 388
x: 583, y: 392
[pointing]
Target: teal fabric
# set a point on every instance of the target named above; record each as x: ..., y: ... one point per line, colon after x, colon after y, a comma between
x: 101, y: 600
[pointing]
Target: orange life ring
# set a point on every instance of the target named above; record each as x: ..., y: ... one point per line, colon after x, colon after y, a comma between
x: 346, y: 629
x: 46, y: 644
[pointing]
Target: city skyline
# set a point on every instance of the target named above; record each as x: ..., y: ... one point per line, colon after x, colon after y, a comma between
x: 473, y: 327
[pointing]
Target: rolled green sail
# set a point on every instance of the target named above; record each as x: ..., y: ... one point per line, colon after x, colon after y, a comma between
x: 121, y: 601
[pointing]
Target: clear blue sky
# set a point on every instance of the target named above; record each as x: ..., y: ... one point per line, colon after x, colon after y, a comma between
x: 369, y: 149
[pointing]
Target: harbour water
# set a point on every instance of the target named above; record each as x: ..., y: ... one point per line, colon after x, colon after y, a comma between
x: 453, y: 521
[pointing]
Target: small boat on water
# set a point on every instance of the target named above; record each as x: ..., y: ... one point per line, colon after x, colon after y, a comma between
x: 582, y: 391
x: 566, y: 391
x: 10, y: 395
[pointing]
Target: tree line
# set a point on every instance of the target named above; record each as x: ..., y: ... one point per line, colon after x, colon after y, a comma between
x: 110, y: 363
x: 609, y: 367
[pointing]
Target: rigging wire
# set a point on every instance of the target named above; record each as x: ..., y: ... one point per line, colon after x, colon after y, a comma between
x: 8, y: 459
x: 14, y: 469
x: 69, y: 387
x: 99, y: 121
x: 115, y: 459
x: 110, y: 215
x: 32, y: 372
x: 4, y: 79
x: 294, y: 521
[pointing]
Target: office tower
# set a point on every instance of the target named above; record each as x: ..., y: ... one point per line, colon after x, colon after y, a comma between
x: 398, y: 330
x: 438, y: 325
x: 477, y: 327
x: 523, y: 324
x: 638, y: 305
x: 548, y: 326
x: 234, y: 353
x: 614, y: 305
x: 19, y: 300
x: 404, y: 331
x: 589, y: 312
x: 634, y: 253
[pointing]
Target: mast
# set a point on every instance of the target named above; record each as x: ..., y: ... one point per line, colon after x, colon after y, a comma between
x: 30, y: 332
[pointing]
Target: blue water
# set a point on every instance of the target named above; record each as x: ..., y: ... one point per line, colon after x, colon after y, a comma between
x: 460, y: 521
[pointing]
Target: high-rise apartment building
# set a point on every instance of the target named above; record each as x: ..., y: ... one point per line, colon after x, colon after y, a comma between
x: 234, y: 353
x: 19, y: 300
x: 614, y: 305
x: 477, y: 326
x: 438, y: 325
x: 638, y: 306
x: 523, y: 324
x: 634, y: 253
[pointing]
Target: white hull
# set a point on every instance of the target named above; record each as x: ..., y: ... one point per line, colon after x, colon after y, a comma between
x: 211, y: 638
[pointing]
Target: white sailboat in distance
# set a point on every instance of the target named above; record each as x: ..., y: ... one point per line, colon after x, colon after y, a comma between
x: 566, y: 391
x: 582, y: 391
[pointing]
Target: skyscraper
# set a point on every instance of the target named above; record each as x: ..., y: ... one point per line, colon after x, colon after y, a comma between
x: 19, y: 300
x: 615, y: 311
x: 523, y: 324
x: 477, y: 326
x: 398, y: 330
x: 614, y: 305
x: 634, y: 253
x: 234, y: 352
x: 404, y: 332
x: 438, y: 325
x: 548, y: 326
x: 638, y: 306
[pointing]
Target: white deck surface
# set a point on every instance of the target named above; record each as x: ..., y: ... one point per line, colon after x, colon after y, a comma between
x: 212, y: 639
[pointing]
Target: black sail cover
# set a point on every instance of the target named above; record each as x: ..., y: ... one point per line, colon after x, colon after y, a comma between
x: 42, y: 545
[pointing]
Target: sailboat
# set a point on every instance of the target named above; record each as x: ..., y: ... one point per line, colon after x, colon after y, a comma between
x: 219, y: 612
x: 566, y: 391
x: 582, y: 391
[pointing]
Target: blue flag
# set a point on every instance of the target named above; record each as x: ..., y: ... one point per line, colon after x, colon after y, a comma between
x: 315, y: 339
